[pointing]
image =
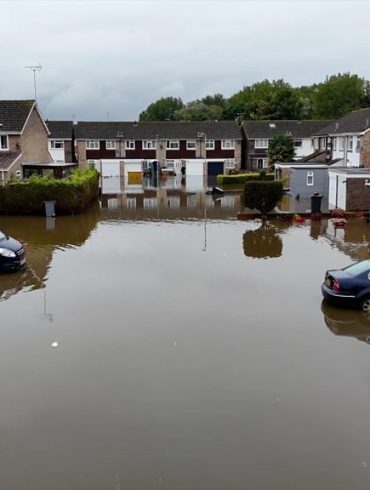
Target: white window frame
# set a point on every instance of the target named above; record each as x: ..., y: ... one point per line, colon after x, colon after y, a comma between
x: 130, y: 145
x: 4, y: 137
x: 261, y: 143
x: 149, y: 145
x: 358, y: 144
x: 210, y: 144
x: 322, y: 143
x: 92, y: 145
x: 111, y: 144
x: 173, y: 145
x: 310, y: 179
x: 298, y: 143
x: 57, y: 144
x: 350, y: 143
x: 227, y: 144
x: 191, y: 142
x: 230, y: 163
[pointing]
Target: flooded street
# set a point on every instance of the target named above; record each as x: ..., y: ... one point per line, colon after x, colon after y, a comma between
x: 162, y: 344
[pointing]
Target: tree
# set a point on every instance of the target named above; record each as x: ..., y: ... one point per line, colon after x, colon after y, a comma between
x: 199, y: 111
x: 162, y: 110
x: 340, y: 94
x: 281, y: 149
x: 263, y: 195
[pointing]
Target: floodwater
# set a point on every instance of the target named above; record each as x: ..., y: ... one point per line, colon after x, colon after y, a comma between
x: 162, y: 344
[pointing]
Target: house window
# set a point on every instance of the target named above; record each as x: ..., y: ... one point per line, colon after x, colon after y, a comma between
x: 229, y: 163
x: 227, y: 144
x: 92, y: 145
x: 341, y: 143
x: 131, y: 203
x: 358, y: 144
x: 173, y: 144
x: 170, y: 164
x: 130, y: 145
x: 316, y: 143
x: 4, y: 144
x: 350, y: 143
x: 297, y: 143
x: 149, y: 145
x: 110, y: 144
x: 334, y: 140
x: 190, y: 145
x: 210, y: 144
x: 56, y: 144
x: 261, y: 144
x: 309, y: 178
x: 261, y: 162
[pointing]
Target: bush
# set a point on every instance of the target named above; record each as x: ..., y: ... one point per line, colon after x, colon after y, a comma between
x: 263, y: 195
x: 72, y: 195
x: 243, y: 178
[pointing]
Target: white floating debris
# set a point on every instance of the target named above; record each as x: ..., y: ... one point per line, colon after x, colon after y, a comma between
x: 54, y: 345
x: 364, y: 464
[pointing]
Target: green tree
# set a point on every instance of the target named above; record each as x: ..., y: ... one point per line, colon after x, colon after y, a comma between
x: 199, y: 111
x: 340, y: 94
x: 162, y: 110
x: 281, y: 149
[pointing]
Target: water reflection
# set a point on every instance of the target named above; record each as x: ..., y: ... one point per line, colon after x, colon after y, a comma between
x: 352, y: 239
x: 265, y: 242
x: 347, y: 323
x: 43, y: 236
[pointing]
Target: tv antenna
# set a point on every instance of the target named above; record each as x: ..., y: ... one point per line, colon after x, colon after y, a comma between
x: 34, y: 68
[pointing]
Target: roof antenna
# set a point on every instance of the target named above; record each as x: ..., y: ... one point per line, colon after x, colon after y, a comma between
x: 34, y: 68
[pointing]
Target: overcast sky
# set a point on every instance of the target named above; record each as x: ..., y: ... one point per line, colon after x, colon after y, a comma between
x: 110, y: 59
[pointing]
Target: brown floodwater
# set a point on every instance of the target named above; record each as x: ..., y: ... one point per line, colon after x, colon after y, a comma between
x: 169, y: 346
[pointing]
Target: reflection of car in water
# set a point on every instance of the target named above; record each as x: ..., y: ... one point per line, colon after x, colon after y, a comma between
x: 349, y: 286
x: 12, y: 254
x: 347, y: 323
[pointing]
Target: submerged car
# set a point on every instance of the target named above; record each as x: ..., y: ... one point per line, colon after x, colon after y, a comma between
x: 12, y: 254
x: 349, y: 287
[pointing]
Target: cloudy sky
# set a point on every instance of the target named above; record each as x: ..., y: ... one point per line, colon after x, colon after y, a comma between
x: 110, y: 59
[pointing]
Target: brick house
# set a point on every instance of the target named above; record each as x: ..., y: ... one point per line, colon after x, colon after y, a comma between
x: 122, y: 148
x: 23, y: 138
x: 258, y: 135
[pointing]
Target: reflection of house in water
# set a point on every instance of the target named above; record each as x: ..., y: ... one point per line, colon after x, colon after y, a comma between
x: 43, y: 238
x: 352, y: 239
x: 175, y: 198
x: 346, y: 323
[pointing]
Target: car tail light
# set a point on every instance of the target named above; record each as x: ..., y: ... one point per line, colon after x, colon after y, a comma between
x: 336, y: 285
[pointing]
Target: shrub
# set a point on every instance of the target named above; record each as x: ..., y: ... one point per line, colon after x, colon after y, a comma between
x: 243, y: 178
x: 263, y: 195
x: 72, y: 195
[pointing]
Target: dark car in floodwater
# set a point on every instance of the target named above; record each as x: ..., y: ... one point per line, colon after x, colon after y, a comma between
x: 12, y: 254
x: 349, y: 287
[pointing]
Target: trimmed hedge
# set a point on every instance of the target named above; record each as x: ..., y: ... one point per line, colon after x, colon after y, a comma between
x: 263, y: 195
x: 243, y: 178
x: 72, y: 195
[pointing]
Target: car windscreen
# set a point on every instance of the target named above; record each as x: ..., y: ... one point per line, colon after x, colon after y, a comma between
x: 358, y: 268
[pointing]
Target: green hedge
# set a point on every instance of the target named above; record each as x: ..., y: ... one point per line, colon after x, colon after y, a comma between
x: 263, y: 195
x: 72, y: 195
x: 243, y: 178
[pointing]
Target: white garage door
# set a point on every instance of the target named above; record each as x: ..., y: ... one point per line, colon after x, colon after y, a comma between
x: 195, y: 168
x: 110, y: 168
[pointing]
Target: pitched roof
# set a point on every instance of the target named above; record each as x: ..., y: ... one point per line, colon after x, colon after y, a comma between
x: 14, y: 114
x: 7, y: 158
x: 297, y: 129
x: 60, y: 129
x: 157, y: 129
x: 354, y: 122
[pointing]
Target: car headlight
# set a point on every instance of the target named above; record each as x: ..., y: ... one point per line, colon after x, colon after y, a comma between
x: 7, y: 253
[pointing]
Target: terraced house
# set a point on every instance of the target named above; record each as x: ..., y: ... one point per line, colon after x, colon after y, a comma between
x: 23, y: 139
x: 126, y: 148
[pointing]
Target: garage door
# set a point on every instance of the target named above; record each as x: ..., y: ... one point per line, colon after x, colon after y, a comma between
x: 215, y: 168
x: 110, y: 168
x: 194, y: 168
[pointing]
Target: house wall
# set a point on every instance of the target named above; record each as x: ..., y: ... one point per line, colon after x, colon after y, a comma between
x: 353, y: 156
x: 81, y: 153
x: 365, y: 151
x: 306, y: 148
x: 358, y: 195
x: 298, y: 182
x: 34, y: 140
x: 337, y: 190
x: 14, y: 142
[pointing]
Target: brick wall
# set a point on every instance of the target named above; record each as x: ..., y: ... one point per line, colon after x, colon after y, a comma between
x: 365, y: 151
x: 34, y: 141
x: 358, y: 195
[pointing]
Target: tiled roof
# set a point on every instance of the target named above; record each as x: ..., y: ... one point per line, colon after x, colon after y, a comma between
x: 7, y: 158
x: 13, y: 114
x: 354, y: 122
x: 297, y: 129
x: 162, y: 129
x: 60, y: 129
